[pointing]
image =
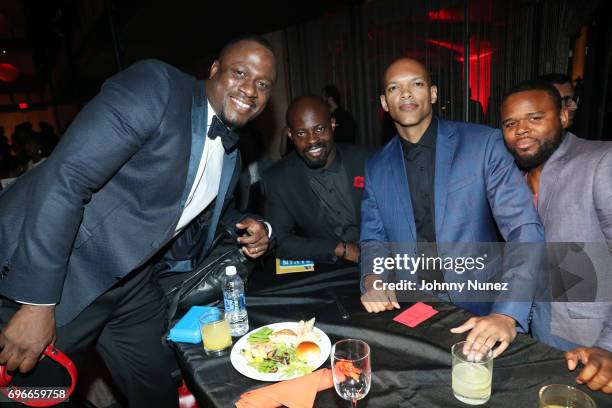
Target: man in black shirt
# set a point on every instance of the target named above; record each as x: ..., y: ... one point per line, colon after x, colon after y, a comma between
x: 313, y: 195
x: 477, y: 189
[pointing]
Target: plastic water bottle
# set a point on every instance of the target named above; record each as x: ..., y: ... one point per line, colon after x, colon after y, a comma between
x: 233, y: 299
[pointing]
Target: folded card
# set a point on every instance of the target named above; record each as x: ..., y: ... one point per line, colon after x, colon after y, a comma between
x: 415, y: 314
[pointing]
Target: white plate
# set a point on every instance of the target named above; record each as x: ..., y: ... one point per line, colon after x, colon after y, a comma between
x: 243, y: 367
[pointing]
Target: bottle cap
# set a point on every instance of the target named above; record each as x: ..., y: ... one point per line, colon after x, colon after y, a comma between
x: 230, y: 270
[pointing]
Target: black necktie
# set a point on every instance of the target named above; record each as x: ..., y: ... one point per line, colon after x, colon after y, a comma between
x: 229, y: 138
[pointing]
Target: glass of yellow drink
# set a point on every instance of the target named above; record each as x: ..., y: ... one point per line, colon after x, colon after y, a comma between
x: 216, y: 334
x: 471, y: 380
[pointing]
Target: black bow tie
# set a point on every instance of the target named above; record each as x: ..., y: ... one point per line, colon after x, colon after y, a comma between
x: 229, y: 138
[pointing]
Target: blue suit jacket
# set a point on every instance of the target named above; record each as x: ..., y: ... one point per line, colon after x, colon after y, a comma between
x: 112, y: 192
x: 477, y: 186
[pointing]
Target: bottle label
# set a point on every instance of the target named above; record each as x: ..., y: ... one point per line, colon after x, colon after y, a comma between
x: 233, y: 304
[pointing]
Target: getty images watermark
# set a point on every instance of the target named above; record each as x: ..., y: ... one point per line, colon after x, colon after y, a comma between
x: 493, y: 271
x: 412, y: 264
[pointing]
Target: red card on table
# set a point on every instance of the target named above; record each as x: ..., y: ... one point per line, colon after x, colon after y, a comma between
x: 415, y: 314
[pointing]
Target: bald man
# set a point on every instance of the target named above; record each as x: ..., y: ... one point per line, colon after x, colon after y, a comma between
x: 446, y: 182
x: 313, y: 195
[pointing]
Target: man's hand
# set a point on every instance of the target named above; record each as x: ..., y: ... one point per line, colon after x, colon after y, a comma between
x: 597, y: 370
x: 376, y: 301
x: 255, y: 242
x: 26, y: 335
x: 485, y: 333
x: 352, y: 251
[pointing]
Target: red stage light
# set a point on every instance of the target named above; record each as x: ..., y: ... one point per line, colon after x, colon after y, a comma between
x: 480, y: 11
x: 23, y: 105
x: 480, y: 67
x: 445, y: 15
x: 8, y: 73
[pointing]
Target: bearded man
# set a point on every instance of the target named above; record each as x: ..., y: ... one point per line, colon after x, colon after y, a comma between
x: 313, y: 195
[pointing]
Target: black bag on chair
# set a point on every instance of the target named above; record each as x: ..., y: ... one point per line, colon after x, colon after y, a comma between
x: 202, y: 286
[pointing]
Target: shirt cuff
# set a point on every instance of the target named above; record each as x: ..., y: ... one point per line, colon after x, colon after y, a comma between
x: 268, y: 228
x: 35, y: 304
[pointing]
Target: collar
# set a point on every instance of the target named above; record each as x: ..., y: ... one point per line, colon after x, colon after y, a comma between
x: 427, y: 140
x: 568, y: 140
x: 211, y: 114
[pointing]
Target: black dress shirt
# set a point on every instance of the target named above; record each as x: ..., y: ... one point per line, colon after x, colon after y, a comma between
x: 420, y: 162
x: 304, y: 213
x: 331, y: 188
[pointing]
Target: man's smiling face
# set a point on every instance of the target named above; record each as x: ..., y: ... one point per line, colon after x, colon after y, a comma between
x: 240, y: 82
x: 533, y: 127
x: 311, y: 128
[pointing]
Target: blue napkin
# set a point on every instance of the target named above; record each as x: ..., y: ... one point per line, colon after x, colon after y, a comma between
x: 187, y: 330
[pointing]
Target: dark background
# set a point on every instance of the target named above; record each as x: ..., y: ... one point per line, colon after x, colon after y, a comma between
x: 62, y: 50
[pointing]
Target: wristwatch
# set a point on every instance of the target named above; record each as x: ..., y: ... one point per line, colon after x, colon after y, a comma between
x: 343, y: 249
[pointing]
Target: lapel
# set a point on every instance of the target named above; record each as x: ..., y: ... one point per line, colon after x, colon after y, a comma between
x: 199, y: 114
x: 445, y: 149
x: 198, y: 128
x: 227, y: 171
x: 400, y: 183
x: 550, y: 175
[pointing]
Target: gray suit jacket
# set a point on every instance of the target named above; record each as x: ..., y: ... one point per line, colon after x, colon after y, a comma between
x: 575, y: 205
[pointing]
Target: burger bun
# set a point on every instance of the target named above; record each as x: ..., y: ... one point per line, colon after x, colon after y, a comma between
x: 308, y: 351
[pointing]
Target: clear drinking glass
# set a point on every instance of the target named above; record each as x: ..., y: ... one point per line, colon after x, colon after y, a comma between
x: 216, y: 333
x: 471, y: 380
x: 564, y: 396
x: 351, y: 370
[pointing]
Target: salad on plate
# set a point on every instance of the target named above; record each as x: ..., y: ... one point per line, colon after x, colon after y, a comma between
x: 287, y: 352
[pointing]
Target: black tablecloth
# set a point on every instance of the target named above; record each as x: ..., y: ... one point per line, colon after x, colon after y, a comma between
x: 410, y: 367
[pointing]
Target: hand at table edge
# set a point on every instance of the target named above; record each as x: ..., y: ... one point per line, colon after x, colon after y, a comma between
x: 485, y: 332
x: 597, y: 371
x: 374, y: 300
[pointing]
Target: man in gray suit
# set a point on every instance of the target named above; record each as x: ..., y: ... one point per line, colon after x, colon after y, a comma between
x: 139, y: 168
x: 571, y: 181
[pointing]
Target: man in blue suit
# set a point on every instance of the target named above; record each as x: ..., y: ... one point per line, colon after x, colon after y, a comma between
x: 150, y: 156
x: 443, y: 182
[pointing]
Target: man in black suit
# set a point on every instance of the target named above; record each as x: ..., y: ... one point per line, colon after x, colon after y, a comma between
x: 139, y: 168
x: 313, y: 195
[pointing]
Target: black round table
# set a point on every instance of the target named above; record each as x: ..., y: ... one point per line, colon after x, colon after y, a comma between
x: 410, y: 367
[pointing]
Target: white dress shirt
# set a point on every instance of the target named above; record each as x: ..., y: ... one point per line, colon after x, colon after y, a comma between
x: 206, y: 183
